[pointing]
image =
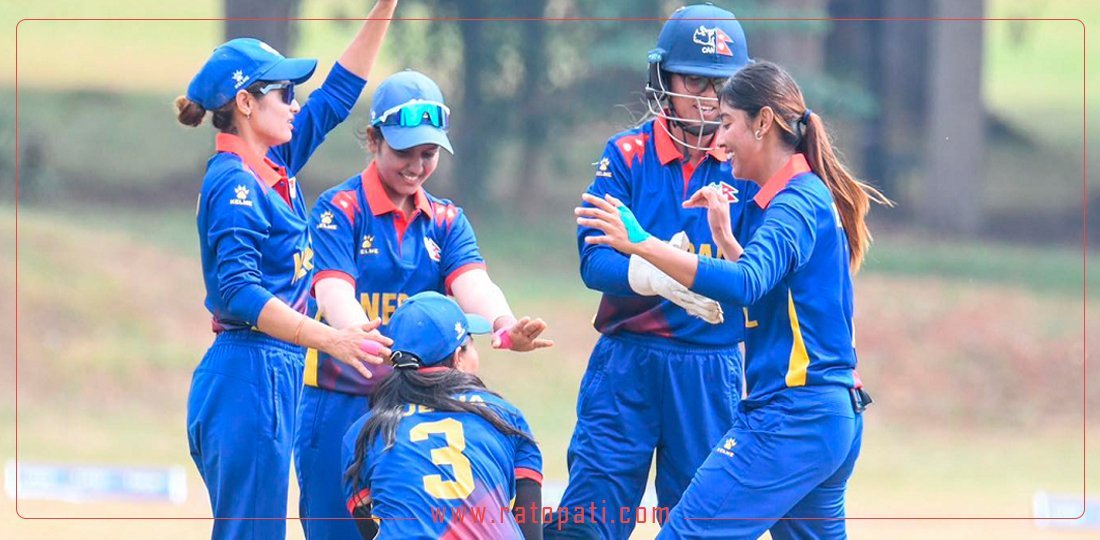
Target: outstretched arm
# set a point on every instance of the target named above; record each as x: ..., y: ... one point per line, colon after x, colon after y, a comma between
x: 361, y: 53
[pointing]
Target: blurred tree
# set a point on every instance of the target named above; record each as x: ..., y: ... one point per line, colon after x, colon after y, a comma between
x: 274, y: 29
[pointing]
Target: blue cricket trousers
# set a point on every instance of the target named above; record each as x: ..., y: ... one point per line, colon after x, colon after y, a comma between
x: 783, y: 462
x: 240, y: 426
x: 323, y: 418
x: 642, y: 395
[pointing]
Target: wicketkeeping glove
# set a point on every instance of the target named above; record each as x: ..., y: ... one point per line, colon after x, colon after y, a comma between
x: 647, y: 280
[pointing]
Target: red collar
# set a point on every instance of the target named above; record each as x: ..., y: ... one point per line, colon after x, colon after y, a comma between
x: 667, y: 151
x: 794, y: 166
x: 266, y: 169
x: 380, y: 203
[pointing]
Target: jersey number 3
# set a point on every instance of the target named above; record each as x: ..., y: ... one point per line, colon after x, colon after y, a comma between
x: 452, y: 432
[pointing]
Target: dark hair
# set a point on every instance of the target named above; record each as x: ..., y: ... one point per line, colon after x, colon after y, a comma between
x: 190, y: 113
x: 433, y: 389
x: 764, y: 84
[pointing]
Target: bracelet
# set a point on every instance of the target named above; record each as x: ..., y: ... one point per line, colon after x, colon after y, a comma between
x: 298, y: 330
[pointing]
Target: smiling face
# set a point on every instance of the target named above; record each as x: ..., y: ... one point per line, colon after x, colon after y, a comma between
x: 403, y: 172
x: 693, y: 106
x: 735, y: 136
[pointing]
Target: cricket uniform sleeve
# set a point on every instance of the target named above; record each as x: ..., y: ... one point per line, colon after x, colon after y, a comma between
x: 602, y: 268
x: 325, y: 109
x: 332, y: 229
x: 459, y: 252
x: 237, y: 227
x: 781, y: 245
x: 528, y: 456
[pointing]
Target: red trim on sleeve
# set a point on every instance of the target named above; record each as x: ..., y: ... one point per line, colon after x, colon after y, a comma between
x: 324, y: 274
x: 459, y: 271
x: 530, y: 474
x: 359, y: 499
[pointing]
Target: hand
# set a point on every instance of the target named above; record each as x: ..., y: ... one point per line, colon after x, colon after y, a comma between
x: 521, y: 336
x: 358, y: 344
x: 610, y: 216
x: 718, y: 209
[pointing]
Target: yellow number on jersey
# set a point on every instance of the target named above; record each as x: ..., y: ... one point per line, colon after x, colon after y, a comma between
x: 451, y: 429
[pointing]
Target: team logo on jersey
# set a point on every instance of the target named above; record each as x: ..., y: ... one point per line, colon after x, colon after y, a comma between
x: 326, y: 221
x: 602, y: 168
x: 434, y: 252
x: 712, y: 41
x: 242, y: 197
x: 727, y: 191
x: 367, y: 246
x: 727, y: 447
x: 239, y: 78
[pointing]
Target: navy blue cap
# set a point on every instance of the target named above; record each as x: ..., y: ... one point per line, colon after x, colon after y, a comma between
x: 432, y: 327
x: 238, y: 63
x: 701, y: 40
x: 404, y: 88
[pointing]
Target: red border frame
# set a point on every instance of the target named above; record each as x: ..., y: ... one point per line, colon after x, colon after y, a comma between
x: 1084, y: 230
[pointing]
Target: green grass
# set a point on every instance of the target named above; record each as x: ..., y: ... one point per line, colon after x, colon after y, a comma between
x: 1055, y: 269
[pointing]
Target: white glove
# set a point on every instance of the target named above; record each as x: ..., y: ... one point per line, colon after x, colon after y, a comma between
x: 647, y: 280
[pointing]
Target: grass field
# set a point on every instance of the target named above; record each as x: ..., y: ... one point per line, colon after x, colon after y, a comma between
x: 1004, y: 369
x: 974, y: 350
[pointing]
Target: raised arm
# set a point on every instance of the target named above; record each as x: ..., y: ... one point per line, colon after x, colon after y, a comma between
x: 361, y: 53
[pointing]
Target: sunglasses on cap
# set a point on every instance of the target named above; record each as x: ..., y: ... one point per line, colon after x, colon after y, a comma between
x: 697, y: 84
x: 414, y: 113
x: 286, y: 87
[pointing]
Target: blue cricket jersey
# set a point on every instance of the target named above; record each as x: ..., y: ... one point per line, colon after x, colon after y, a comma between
x: 361, y: 237
x: 442, y: 468
x: 794, y: 277
x: 644, y: 168
x: 252, y: 218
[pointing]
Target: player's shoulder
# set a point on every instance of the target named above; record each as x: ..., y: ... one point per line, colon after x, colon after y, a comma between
x: 343, y: 196
x: 444, y: 211
x: 630, y: 144
x: 227, y: 169
x: 804, y: 192
x: 352, y: 434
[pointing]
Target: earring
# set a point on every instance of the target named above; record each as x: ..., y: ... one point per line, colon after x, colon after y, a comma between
x: 248, y: 116
x: 757, y: 135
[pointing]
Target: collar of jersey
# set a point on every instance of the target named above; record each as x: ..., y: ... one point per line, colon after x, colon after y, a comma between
x: 794, y: 166
x: 380, y: 203
x: 667, y: 151
x: 266, y: 169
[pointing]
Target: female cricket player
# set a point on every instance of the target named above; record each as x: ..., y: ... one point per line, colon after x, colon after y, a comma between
x: 797, y: 434
x: 380, y: 238
x: 437, y: 442
x: 665, y: 375
x: 257, y: 261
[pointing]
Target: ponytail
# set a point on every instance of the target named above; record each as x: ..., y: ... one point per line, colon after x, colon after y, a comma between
x: 851, y: 196
x: 191, y: 114
x: 764, y: 84
x: 188, y: 112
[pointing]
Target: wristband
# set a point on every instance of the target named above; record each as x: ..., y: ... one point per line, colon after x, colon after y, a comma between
x: 370, y: 347
x: 504, y: 337
x: 634, y: 231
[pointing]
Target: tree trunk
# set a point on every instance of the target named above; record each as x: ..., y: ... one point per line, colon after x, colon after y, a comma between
x: 277, y: 33
x: 951, y: 194
x: 529, y: 191
x: 477, y: 120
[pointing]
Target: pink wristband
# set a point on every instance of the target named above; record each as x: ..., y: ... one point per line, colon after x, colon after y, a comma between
x: 504, y: 337
x: 370, y: 347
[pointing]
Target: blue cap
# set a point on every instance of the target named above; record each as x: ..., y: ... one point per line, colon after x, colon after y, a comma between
x: 432, y: 327
x: 400, y: 89
x: 701, y: 40
x: 238, y: 63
